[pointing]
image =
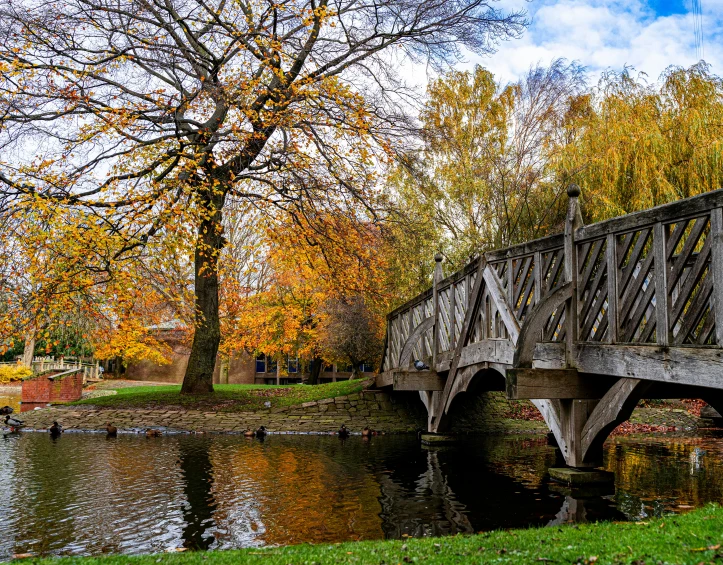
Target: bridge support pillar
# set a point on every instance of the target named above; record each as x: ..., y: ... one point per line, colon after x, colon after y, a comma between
x: 573, y: 416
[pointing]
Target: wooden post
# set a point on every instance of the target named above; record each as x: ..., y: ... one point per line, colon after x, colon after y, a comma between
x: 452, y: 315
x: 611, y: 253
x: 662, y: 310
x: 572, y: 222
x: 716, y: 232
x: 435, y: 307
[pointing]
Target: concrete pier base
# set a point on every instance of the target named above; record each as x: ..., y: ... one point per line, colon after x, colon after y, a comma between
x: 583, y: 491
x: 578, y: 477
x: 437, y: 439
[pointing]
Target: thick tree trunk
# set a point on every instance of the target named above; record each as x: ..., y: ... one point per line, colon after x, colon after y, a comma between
x: 315, y: 370
x: 29, y: 350
x: 199, y: 373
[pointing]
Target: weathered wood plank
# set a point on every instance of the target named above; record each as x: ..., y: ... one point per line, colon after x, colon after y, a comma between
x: 662, y: 301
x: 549, y: 355
x: 682, y: 209
x: 385, y: 378
x: 695, y: 366
x: 528, y: 384
x: 716, y: 235
x: 497, y: 292
x: 488, y: 351
x: 417, y: 380
x: 612, y: 280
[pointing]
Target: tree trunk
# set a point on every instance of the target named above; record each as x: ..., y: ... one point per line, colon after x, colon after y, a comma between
x: 199, y: 372
x: 29, y: 350
x: 315, y: 370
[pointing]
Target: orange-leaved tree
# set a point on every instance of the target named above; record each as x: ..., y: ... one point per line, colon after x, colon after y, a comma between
x: 141, y: 114
x: 312, y: 267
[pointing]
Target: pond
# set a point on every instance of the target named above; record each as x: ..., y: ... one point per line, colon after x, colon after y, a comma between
x: 85, y: 494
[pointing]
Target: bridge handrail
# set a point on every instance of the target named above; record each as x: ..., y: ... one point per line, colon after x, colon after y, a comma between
x: 648, y: 238
x: 679, y: 210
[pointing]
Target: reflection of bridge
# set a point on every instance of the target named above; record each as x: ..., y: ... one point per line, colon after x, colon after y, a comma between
x: 583, y: 323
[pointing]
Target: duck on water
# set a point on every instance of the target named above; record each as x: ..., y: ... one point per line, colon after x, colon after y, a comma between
x: 14, y: 424
x: 55, y: 430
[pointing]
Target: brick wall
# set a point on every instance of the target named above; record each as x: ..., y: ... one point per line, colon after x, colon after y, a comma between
x: 42, y: 389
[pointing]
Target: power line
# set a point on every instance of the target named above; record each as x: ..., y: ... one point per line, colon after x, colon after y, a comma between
x: 698, y: 28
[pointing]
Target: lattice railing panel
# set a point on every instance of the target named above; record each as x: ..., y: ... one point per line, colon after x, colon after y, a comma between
x: 636, y: 286
x: 592, y: 290
x: 523, y: 279
x: 690, y: 283
x: 552, y: 276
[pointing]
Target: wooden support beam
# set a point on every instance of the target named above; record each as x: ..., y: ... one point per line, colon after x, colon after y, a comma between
x: 695, y: 366
x: 553, y: 384
x: 385, y: 378
x: 417, y: 380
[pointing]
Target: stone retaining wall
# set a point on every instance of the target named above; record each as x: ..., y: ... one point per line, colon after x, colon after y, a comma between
x: 492, y: 413
x: 376, y: 409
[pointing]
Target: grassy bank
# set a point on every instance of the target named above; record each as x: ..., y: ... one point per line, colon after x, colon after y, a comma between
x: 226, y: 398
x: 692, y: 538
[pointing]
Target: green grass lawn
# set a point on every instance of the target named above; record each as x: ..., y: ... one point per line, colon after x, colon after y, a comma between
x: 226, y: 398
x: 691, y: 538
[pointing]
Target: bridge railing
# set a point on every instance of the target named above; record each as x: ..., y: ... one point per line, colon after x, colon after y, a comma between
x: 640, y: 303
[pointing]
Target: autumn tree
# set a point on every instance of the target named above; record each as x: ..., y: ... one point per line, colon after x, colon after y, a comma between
x: 138, y: 114
x: 481, y: 177
x: 634, y: 144
x: 351, y: 332
x: 308, y: 267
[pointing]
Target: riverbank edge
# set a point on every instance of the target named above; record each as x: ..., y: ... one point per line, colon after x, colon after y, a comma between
x: 692, y: 538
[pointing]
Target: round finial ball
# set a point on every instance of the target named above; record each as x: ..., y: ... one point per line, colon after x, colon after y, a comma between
x: 573, y: 191
x: 438, y: 257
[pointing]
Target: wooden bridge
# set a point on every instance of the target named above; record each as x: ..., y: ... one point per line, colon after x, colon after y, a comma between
x: 584, y: 323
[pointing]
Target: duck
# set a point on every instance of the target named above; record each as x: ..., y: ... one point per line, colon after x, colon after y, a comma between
x: 55, y: 430
x: 153, y: 433
x: 366, y: 432
x: 343, y: 433
x: 14, y: 423
x: 5, y: 410
x: 111, y: 431
x: 261, y: 432
x: 249, y: 432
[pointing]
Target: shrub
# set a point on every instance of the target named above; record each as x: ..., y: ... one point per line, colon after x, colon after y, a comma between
x: 10, y: 373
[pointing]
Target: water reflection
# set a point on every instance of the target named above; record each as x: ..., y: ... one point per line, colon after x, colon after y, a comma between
x: 85, y: 495
x: 200, y: 505
x: 10, y: 396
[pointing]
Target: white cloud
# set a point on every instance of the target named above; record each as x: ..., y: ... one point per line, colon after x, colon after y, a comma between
x: 607, y: 34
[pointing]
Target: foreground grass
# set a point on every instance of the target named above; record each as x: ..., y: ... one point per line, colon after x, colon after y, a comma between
x: 692, y: 538
x: 226, y: 398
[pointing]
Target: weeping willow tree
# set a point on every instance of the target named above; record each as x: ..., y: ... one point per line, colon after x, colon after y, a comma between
x: 633, y: 145
x: 480, y: 177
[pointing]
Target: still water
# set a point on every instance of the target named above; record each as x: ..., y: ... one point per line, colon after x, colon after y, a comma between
x: 84, y: 494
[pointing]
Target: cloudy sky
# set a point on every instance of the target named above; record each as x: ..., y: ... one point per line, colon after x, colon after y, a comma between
x: 600, y: 34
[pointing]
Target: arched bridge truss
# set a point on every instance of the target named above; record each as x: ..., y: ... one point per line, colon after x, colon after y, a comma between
x: 583, y: 323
